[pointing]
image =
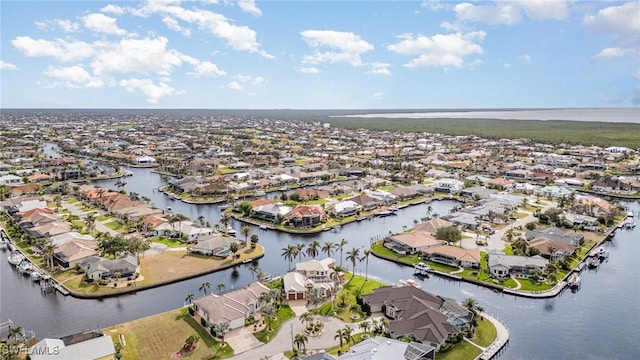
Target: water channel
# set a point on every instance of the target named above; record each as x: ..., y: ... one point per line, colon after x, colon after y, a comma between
x: 599, y: 321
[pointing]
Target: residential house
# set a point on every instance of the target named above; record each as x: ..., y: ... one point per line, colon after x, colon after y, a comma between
x: 382, y: 348
x: 272, y: 212
x: 188, y: 229
x: 411, y: 242
x: 214, y: 245
x: 233, y: 307
x: 416, y: 313
x: 97, y: 268
x: 453, y: 256
x: 555, y: 234
x: 345, y: 208
x: 95, y: 348
x: 501, y: 265
x: 10, y: 179
x: 367, y: 202
x: 552, y: 250
x: 73, y: 252
x: 307, y: 215
x: 448, y: 185
x: 403, y: 193
x: 311, y: 274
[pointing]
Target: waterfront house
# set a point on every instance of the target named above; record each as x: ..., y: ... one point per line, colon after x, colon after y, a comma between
x: 449, y: 185
x: 383, y: 348
x: 345, y: 208
x: 100, y: 348
x: 311, y: 274
x: 501, y: 265
x: 369, y: 202
x: 453, y: 256
x: 307, y: 215
x: 551, y: 249
x: 73, y: 252
x: 414, y: 312
x: 183, y: 228
x: 271, y: 212
x: 10, y: 179
x: 411, y: 242
x: 555, y: 234
x: 214, y: 245
x: 232, y: 307
x: 97, y: 268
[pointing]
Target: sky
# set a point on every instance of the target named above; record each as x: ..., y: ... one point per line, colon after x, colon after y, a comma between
x: 249, y: 54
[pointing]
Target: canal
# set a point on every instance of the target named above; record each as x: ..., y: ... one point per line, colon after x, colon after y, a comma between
x: 599, y: 321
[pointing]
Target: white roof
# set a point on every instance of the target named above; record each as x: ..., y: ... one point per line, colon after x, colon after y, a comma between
x: 54, y: 349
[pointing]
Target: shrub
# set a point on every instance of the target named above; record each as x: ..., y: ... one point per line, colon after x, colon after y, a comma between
x: 203, y: 322
x: 191, y: 311
x: 102, y: 282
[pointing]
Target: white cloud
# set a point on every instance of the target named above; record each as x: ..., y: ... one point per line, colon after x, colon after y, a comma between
x: 441, y: 50
x: 512, y: 12
x: 507, y: 66
x: 173, y: 25
x: 103, y: 24
x: 66, y: 25
x: 349, y: 45
x: 73, y: 77
x: 620, y: 23
x: 380, y: 69
x: 258, y: 81
x: 240, y: 38
x: 137, y: 55
x: 7, y: 66
x: 234, y: 85
x: 207, y: 69
x: 377, y: 95
x: 249, y: 6
x: 113, y: 9
x: 153, y: 92
x: 59, y: 49
x: 433, y: 5
x: 309, y: 70
x: 526, y: 58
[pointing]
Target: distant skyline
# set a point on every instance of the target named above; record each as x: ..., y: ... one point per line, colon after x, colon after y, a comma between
x: 246, y: 54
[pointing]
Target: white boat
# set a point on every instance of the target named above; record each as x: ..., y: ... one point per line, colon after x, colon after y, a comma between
x: 36, y: 275
x: 574, y: 280
x: 25, y: 267
x: 421, y: 268
x: 15, y: 258
x: 263, y: 227
x: 411, y: 282
x: 173, y: 197
x: 260, y: 193
x: 224, y: 206
x: 127, y: 173
x: 602, y: 252
x: 630, y: 213
x: 229, y: 231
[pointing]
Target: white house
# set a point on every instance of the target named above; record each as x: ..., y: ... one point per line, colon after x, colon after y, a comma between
x: 233, y: 307
x: 10, y: 180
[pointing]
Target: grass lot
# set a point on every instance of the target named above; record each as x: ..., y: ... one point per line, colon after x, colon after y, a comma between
x: 285, y: 313
x: 485, y: 333
x: 345, y: 347
x: 165, y: 266
x: 113, y: 225
x: 462, y: 350
x: 103, y: 217
x: 162, y: 335
x: 530, y: 285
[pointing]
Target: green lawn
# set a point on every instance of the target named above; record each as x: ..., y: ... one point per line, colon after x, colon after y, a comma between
x: 161, y: 336
x: 355, y: 284
x: 103, y: 217
x: 113, y: 225
x: 485, y: 333
x: 529, y: 285
x: 508, y: 250
x: 173, y: 243
x: 460, y: 351
x: 285, y: 313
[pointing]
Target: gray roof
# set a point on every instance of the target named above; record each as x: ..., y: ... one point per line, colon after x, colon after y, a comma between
x: 381, y: 348
x: 517, y: 261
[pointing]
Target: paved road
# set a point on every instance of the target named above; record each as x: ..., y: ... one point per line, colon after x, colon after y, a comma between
x: 284, y: 339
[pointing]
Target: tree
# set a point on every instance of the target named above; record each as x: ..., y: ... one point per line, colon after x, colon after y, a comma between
x: 189, y: 298
x: 289, y: 253
x: 234, y: 247
x: 204, y: 287
x: 313, y: 249
x: 365, y: 326
x: 347, y: 333
x: 254, y: 241
x: 246, y: 208
x: 315, y: 296
x: 89, y: 219
x: 340, y: 246
x: 220, y: 287
x: 327, y: 248
x: 519, y: 246
x: 471, y: 305
x: 306, y: 318
x: 245, y: 230
x: 300, y: 340
x: 191, y: 342
x: 338, y: 336
x: 450, y: 234
x: 268, y: 311
x: 352, y: 255
x: 300, y: 251
x: 117, y: 275
x: 47, y: 254
x: 366, y: 259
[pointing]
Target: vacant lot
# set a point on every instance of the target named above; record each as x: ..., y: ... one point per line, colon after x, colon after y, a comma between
x: 161, y: 336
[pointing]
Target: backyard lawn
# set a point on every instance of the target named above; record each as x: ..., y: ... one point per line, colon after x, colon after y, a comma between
x: 460, y: 351
x: 485, y: 333
x: 161, y: 336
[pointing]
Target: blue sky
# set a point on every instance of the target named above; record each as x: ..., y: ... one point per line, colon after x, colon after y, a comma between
x: 319, y: 54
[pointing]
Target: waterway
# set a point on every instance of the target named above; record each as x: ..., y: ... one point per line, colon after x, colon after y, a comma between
x: 599, y: 321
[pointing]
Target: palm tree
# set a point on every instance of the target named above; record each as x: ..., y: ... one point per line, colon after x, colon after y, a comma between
x: 47, y: 254
x: 520, y: 246
x: 90, y: 218
x: 366, y: 266
x: 353, y: 256
x: 189, y: 298
x: 201, y: 220
x: 220, y: 287
x: 204, y: 287
x: 313, y: 249
x: 300, y: 251
x: 471, y: 305
x: 120, y: 185
x: 347, y: 332
x: 338, y: 336
x: 306, y: 318
x: 289, y: 253
x: 177, y: 218
x: 301, y: 340
x: 245, y: 230
x: 268, y: 311
x: 340, y: 247
x: 365, y: 326
x: 327, y: 248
